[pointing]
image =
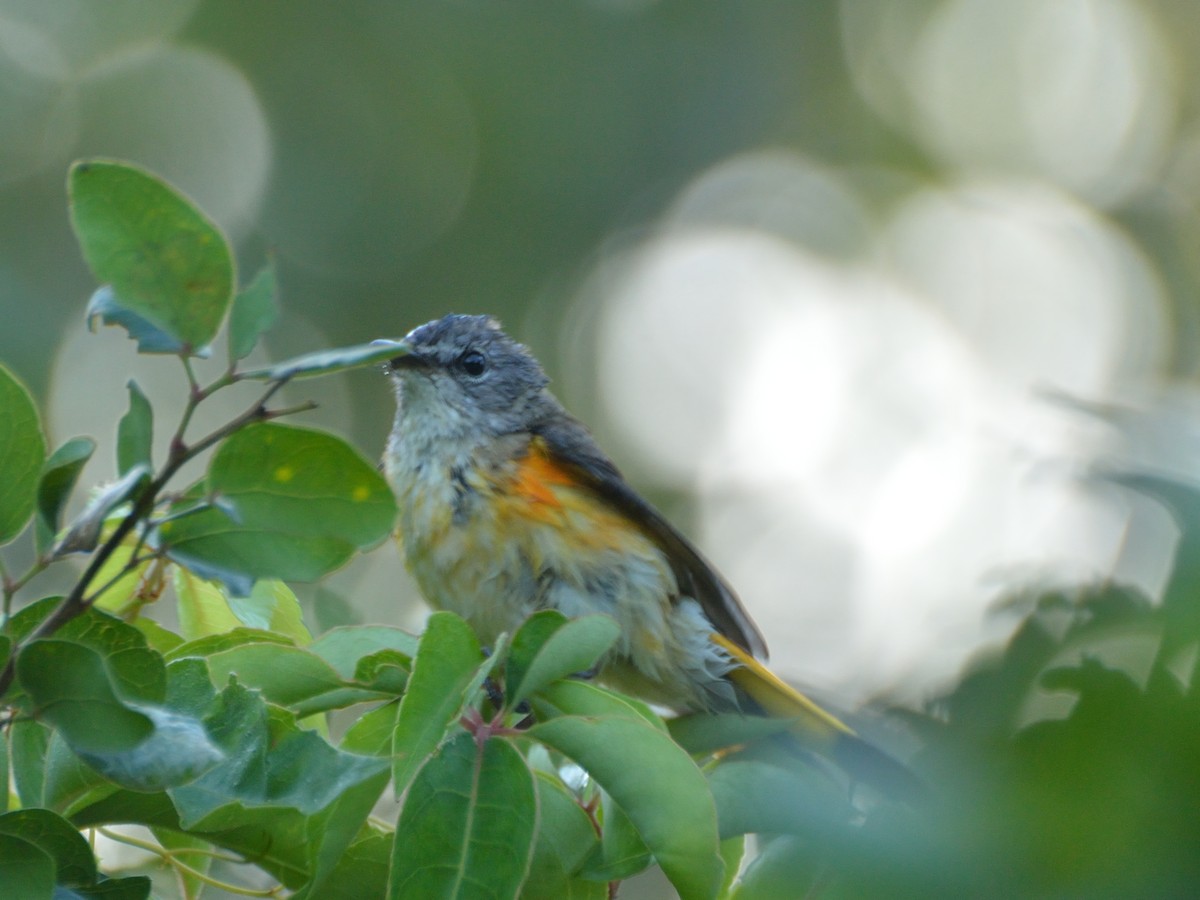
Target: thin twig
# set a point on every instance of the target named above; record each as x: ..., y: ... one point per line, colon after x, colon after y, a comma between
x: 78, y: 600
x: 169, y: 857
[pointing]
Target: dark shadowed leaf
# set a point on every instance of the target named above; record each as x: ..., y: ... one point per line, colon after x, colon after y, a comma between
x: 74, y: 864
x: 28, y: 870
x: 59, y: 475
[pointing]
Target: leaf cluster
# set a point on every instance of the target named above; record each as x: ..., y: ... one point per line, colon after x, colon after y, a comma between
x: 1062, y: 766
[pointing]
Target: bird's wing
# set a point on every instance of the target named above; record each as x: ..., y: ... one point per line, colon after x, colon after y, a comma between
x: 569, y: 445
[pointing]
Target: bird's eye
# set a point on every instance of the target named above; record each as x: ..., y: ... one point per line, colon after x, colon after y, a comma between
x: 473, y: 363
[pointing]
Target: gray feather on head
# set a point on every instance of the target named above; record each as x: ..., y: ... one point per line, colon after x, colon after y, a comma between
x: 475, y: 370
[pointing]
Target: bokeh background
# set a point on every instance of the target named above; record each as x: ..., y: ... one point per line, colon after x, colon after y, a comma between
x: 862, y: 294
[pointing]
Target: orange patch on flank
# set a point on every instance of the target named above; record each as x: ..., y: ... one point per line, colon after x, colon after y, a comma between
x: 549, y: 493
x: 538, y: 476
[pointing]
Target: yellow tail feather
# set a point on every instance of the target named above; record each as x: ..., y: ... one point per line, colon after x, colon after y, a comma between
x: 817, y: 729
x: 777, y: 698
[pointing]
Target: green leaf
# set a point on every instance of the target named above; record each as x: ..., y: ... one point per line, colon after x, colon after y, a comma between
x: 272, y: 606
x: 664, y: 794
x: 303, y: 501
x: 84, y: 533
x: 68, y: 783
x: 254, y: 312
x: 704, y: 733
x: 384, y: 670
x: 159, y: 638
x: 5, y: 795
x: 44, y: 855
x: 443, y: 671
x: 28, y: 871
x: 72, y: 688
x: 22, y: 450
x: 372, y: 733
x: 622, y: 852
x: 466, y: 829
x: 331, y: 832
x: 30, y: 741
x: 204, y: 608
x: 74, y: 864
x: 757, y: 797
x: 135, y: 432
x: 106, y: 306
x: 176, y: 752
x: 565, y: 839
x: 99, y: 684
x: 218, y: 643
x: 545, y: 650
x: 733, y: 851
x: 59, y: 476
x: 166, y: 261
x: 324, y: 362
x: 344, y: 646
x: 133, y: 887
x: 360, y: 873
x: 287, y: 676
x: 785, y: 866
x: 268, y: 762
x: 581, y: 698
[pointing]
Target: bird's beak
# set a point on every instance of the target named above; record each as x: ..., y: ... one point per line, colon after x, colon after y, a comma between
x: 403, y: 358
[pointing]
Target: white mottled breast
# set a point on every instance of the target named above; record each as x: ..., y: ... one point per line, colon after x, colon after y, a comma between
x: 482, y: 545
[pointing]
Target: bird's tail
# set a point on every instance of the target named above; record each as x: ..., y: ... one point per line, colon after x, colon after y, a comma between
x: 818, y: 730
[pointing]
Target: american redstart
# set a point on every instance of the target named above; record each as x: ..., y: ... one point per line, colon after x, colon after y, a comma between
x: 508, y: 506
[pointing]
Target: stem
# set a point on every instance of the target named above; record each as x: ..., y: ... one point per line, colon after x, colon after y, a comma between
x: 79, y: 601
x: 170, y: 858
x: 131, y: 565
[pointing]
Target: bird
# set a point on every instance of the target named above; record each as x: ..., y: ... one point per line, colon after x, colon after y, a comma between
x: 508, y: 506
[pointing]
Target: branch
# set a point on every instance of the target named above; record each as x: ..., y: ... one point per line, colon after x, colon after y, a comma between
x: 180, y: 453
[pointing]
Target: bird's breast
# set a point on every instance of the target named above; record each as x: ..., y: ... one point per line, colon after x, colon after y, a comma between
x: 496, y: 539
